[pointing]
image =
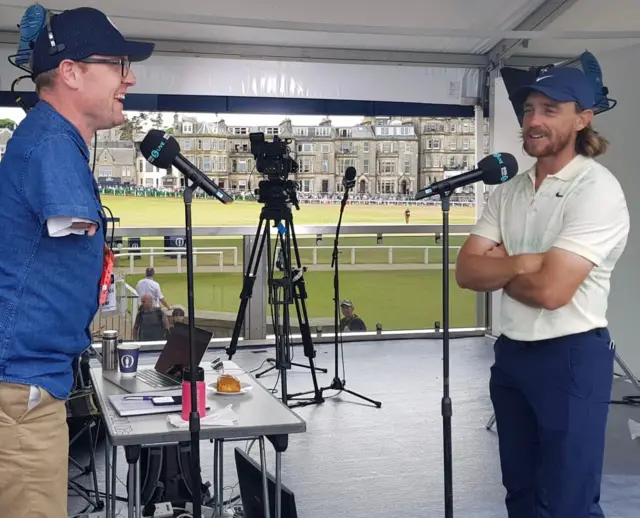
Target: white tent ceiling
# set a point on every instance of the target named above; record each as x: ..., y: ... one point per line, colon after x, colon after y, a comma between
x: 449, y: 32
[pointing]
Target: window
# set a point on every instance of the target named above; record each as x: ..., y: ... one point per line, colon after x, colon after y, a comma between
x: 465, y: 127
x: 407, y: 147
x: 384, y: 130
x: 365, y: 166
x: 305, y: 148
x: 452, y: 161
x: 386, y: 147
x: 272, y: 131
x: 347, y: 147
x: 220, y: 145
x: 406, y: 130
x: 187, y: 127
x: 386, y: 187
x: 345, y: 133
x: 427, y: 161
x: 126, y: 171
x: 465, y: 162
x: 105, y: 172
x: 186, y: 145
x: 452, y: 127
x: 238, y: 131
x: 434, y: 144
x: 206, y: 144
x: 305, y: 165
x: 325, y: 148
x: 306, y: 185
x: 453, y: 145
x: 323, y: 131
x: 365, y: 146
x: 387, y: 167
x: 343, y: 163
x: 407, y: 166
x: 206, y: 163
x: 325, y: 186
x: 465, y: 144
x: 325, y: 166
x: 301, y: 131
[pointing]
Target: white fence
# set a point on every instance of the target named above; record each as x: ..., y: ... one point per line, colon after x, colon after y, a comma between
x: 129, y: 254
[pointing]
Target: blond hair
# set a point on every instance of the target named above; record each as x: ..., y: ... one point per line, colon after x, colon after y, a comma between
x: 590, y: 143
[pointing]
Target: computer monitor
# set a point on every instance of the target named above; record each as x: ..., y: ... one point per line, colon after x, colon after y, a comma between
x: 250, y: 482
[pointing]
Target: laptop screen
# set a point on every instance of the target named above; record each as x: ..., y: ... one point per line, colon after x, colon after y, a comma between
x: 175, y: 355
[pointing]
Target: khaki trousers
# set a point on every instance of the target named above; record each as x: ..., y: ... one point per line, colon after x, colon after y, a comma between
x: 34, y: 449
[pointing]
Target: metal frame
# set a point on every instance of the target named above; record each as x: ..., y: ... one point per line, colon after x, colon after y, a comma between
x: 255, y: 330
x: 546, y: 13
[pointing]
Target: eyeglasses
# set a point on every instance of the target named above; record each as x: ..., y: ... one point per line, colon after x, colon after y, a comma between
x: 125, y: 64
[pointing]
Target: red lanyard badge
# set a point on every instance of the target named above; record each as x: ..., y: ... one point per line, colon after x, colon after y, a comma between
x: 107, y: 274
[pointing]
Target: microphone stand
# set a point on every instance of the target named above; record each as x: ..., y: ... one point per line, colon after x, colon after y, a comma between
x: 337, y: 383
x: 194, y: 416
x: 446, y: 399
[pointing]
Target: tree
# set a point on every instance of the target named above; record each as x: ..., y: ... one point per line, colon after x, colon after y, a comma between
x: 8, y: 123
x: 156, y: 120
x: 133, y: 125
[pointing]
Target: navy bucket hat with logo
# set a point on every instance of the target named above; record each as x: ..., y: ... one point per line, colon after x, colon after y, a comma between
x: 81, y: 33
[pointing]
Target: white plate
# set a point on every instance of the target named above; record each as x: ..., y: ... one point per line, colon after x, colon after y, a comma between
x: 244, y: 388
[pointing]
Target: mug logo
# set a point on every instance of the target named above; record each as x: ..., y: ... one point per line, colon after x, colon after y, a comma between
x: 127, y: 361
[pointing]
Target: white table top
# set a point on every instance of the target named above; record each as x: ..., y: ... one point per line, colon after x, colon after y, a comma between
x: 259, y: 413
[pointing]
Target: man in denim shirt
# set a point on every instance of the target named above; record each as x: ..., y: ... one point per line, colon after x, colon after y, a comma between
x: 52, y: 247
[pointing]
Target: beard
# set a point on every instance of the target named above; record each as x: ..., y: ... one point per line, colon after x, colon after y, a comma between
x: 547, y: 146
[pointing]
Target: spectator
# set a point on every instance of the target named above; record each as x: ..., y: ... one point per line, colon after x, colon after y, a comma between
x: 148, y: 286
x: 407, y: 215
x: 176, y: 316
x: 151, y: 323
x: 350, y: 321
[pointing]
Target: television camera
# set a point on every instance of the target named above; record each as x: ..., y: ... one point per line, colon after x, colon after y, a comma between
x: 273, y: 161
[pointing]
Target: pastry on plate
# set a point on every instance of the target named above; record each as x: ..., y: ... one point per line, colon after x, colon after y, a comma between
x: 228, y: 383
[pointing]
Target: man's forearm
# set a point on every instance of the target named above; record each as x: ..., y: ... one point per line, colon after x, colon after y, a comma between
x: 529, y: 289
x: 485, y: 274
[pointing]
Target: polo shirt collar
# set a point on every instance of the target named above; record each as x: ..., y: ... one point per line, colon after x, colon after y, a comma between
x: 65, y: 124
x: 567, y: 173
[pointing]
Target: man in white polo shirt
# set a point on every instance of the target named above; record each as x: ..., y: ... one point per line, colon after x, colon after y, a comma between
x: 149, y: 286
x: 550, y: 239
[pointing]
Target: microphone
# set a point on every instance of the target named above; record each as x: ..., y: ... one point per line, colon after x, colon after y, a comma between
x: 349, y: 180
x: 492, y: 170
x: 162, y: 150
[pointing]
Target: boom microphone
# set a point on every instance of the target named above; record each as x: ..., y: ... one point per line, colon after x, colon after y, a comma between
x: 163, y: 151
x: 492, y: 170
x: 349, y: 180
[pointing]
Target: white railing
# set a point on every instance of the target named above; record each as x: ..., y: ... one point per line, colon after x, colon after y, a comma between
x: 389, y: 248
x: 131, y: 253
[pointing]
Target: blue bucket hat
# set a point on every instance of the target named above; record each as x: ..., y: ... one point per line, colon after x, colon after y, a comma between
x: 80, y: 33
x: 564, y: 84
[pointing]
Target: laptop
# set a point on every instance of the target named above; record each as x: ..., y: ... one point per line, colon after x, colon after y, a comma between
x: 167, y: 372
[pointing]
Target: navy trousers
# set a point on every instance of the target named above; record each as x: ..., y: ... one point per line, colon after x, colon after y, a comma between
x: 551, y: 401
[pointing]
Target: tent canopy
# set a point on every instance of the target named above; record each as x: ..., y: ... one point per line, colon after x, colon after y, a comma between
x: 336, y: 50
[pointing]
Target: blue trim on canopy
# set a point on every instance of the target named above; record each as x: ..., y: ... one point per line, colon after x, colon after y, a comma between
x: 266, y: 105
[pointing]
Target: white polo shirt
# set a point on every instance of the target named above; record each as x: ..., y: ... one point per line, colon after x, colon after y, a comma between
x: 148, y: 286
x: 581, y: 209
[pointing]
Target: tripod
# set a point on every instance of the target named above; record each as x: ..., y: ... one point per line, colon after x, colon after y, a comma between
x: 337, y: 383
x: 284, y: 291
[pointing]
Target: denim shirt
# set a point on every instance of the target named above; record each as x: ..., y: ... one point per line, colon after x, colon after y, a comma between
x: 49, y: 286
